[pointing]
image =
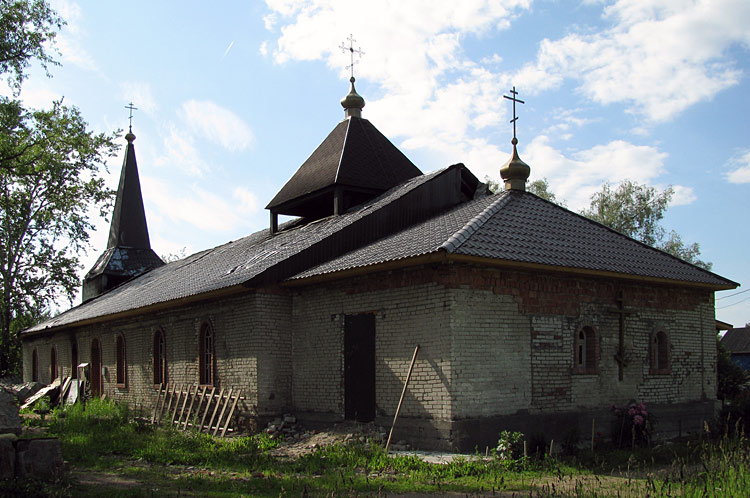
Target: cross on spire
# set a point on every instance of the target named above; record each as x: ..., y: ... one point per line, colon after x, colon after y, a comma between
x: 515, y: 118
x: 132, y: 108
x: 351, y: 51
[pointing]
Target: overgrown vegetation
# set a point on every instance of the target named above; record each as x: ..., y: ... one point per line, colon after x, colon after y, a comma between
x: 105, y: 439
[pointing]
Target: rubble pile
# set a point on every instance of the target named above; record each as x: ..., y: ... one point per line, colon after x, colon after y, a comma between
x: 286, y: 427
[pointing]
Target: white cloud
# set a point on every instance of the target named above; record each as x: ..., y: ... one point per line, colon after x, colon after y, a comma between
x: 577, y: 176
x: 658, y: 57
x: 70, y: 40
x: 247, y: 200
x: 193, y: 206
x: 263, y: 49
x: 682, y: 195
x: 139, y: 92
x: 180, y: 152
x: 741, y: 168
x: 217, y: 124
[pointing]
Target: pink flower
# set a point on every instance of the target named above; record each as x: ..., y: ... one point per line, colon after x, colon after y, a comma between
x: 631, y: 412
x: 638, y: 420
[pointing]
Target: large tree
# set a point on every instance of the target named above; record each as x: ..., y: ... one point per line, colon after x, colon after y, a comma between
x: 637, y: 210
x: 49, y: 183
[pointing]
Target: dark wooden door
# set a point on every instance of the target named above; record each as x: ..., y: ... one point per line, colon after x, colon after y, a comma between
x: 359, y: 367
x: 96, y: 368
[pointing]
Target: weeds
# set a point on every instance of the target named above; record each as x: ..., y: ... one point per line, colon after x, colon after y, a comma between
x: 105, y: 437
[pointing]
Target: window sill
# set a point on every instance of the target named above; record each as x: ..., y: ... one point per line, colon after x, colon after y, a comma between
x: 663, y: 371
x: 121, y: 387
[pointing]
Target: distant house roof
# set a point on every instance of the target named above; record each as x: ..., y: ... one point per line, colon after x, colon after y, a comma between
x: 737, y: 340
x: 354, y: 155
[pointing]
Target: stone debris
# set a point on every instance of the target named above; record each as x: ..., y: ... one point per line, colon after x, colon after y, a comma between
x: 286, y: 427
x: 26, y: 390
x: 38, y: 458
x: 10, y: 422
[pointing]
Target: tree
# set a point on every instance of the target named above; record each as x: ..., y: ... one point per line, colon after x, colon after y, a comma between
x: 731, y: 378
x: 49, y: 164
x: 636, y: 210
x: 537, y: 187
x: 27, y: 28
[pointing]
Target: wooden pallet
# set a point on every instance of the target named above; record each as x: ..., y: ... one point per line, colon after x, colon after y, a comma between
x: 175, y: 403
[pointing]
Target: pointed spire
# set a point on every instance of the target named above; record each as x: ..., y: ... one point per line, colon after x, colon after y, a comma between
x: 128, y: 227
x: 353, y: 102
x: 515, y: 172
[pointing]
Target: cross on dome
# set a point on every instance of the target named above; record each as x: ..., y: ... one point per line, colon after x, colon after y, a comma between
x: 351, y: 51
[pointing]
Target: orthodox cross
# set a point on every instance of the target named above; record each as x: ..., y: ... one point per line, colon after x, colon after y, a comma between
x: 132, y: 108
x: 351, y: 51
x: 515, y: 118
x: 620, y: 356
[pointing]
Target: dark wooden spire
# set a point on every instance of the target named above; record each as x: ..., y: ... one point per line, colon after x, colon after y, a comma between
x: 129, y: 252
x: 128, y: 227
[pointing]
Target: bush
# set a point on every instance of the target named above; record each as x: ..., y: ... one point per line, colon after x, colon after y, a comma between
x: 633, y: 425
x: 509, y: 445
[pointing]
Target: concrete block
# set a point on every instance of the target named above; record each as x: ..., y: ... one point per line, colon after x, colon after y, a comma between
x: 7, y: 458
x: 9, y: 419
x: 38, y: 458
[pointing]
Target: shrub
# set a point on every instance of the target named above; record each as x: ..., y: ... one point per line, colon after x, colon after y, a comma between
x: 509, y: 445
x: 633, y: 425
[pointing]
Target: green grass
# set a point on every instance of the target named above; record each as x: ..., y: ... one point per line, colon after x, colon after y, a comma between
x: 105, y: 440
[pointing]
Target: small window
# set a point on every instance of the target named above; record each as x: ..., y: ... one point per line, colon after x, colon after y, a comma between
x: 660, y: 353
x: 34, y: 366
x: 121, y: 361
x: 52, y: 364
x: 586, y: 351
x: 160, y: 358
x: 74, y: 359
x: 206, y: 360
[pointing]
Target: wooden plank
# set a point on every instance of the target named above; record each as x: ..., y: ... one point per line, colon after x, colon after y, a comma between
x: 63, y: 391
x: 184, y: 404
x: 231, y: 412
x: 208, y: 405
x: 156, y: 404
x: 171, y: 399
x: 190, y: 408
x: 163, y: 403
x: 200, y: 402
x: 216, y: 409
x: 223, y: 409
x: 176, y: 405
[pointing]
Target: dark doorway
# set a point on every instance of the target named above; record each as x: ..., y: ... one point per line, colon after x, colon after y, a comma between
x: 96, y: 368
x: 359, y: 367
x: 74, y: 359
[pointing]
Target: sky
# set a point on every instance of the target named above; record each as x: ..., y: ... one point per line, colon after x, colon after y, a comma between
x: 233, y: 96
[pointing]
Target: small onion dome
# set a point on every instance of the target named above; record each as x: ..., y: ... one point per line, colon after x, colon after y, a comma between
x: 353, y: 102
x: 130, y: 137
x: 515, y: 172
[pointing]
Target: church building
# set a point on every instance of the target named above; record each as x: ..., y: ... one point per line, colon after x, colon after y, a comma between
x: 528, y: 316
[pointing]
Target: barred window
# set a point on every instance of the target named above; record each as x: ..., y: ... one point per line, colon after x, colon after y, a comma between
x: 586, y: 350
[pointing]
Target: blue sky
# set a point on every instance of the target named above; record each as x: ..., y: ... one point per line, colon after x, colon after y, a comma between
x: 233, y: 96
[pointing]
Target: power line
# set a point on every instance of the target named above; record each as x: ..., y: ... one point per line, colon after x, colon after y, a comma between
x: 732, y: 295
x: 738, y: 302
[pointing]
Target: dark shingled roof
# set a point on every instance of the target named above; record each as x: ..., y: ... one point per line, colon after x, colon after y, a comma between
x: 737, y: 340
x: 521, y: 227
x: 354, y: 154
x: 231, y: 264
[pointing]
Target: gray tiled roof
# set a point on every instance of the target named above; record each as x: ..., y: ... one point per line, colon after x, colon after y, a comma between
x: 521, y: 227
x: 224, y: 266
x: 737, y: 340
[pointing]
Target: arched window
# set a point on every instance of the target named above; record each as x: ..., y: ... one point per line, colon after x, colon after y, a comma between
x: 206, y: 359
x: 586, y: 350
x: 52, y: 364
x: 121, y: 361
x: 96, y: 368
x: 34, y: 366
x: 660, y: 353
x: 160, y: 358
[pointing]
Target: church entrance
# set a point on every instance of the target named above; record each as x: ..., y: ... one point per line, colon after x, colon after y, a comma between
x: 359, y: 367
x: 96, y: 368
